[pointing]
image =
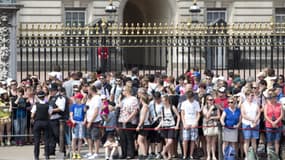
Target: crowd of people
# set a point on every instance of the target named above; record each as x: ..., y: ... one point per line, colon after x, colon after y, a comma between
x: 145, y: 116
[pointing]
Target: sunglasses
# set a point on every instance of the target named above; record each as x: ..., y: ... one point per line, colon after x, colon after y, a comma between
x: 254, y: 87
x: 210, y: 99
x: 230, y: 102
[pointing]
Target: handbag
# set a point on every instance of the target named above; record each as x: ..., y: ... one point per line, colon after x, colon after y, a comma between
x: 211, y: 131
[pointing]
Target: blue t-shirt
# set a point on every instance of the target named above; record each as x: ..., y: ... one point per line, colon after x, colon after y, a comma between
x: 111, y: 121
x: 78, y: 112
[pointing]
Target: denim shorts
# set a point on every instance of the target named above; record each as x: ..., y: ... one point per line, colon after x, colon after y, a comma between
x: 190, y: 134
x: 250, y: 133
x: 78, y: 131
x: 93, y: 132
x: 273, y: 134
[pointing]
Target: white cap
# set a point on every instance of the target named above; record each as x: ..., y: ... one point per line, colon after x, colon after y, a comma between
x: 222, y: 89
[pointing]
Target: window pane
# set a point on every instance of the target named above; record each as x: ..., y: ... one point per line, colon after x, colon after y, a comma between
x: 81, y: 16
x: 223, y: 16
x: 216, y: 15
x: 68, y: 16
x: 278, y: 19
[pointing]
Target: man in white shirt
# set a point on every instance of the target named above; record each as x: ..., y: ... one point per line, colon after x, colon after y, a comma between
x: 190, y: 114
x: 93, y: 121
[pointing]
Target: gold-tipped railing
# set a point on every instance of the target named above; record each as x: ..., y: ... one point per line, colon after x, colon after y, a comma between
x: 156, y: 29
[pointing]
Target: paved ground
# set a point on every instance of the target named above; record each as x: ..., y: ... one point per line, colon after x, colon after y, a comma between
x: 26, y: 153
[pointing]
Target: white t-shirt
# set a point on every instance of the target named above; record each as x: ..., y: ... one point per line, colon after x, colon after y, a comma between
x: 93, y: 103
x: 190, y: 110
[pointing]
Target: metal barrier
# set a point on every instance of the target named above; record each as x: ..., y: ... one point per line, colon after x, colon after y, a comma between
x: 244, y: 48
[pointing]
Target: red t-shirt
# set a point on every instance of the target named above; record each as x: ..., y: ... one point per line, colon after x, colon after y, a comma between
x: 222, y: 101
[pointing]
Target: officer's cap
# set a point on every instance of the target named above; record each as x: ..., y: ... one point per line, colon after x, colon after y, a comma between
x: 41, y: 94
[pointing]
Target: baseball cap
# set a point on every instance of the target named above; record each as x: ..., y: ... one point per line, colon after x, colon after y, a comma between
x: 78, y: 96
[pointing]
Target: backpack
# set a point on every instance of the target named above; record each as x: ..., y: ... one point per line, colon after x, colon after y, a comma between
x: 230, y: 153
x: 172, y: 112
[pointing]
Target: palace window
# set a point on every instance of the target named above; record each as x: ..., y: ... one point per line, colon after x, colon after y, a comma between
x: 215, y: 13
x: 75, y: 17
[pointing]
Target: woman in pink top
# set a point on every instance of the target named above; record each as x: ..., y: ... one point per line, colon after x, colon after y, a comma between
x: 273, y: 115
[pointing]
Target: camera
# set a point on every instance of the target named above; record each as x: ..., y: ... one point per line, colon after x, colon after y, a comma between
x: 273, y: 118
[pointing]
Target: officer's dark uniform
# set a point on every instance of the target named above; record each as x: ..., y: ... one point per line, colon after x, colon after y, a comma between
x: 41, y: 124
x: 54, y: 122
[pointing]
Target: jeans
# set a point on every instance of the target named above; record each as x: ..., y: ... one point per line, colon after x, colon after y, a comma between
x: 20, y: 125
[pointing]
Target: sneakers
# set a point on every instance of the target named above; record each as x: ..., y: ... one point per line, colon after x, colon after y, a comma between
x: 74, y: 156
x: 158, y: 156
x: 87, y: 155
x: 78, y: 156
x: 151, y: 156
x: 95, y: 155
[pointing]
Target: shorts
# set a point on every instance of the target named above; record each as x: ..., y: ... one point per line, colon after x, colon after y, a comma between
x: 93, y: 132
x: 169, y: 133
x: 144, y: 132
x: 273, y: 134
x: 190, y: 134
x: 250, y: 133
x: 78, y: 131
x: 154, y: 137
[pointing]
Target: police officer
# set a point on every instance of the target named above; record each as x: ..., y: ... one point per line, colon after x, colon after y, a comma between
x: 57, y: 102
x: 41, y: 112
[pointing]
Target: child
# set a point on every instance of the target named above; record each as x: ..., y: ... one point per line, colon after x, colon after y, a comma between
x: 77, y: 115
x: 105, y: 110
x: 110, y: 122
x: 111, y: 147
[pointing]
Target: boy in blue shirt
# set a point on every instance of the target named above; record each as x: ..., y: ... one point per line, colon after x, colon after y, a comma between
x: 77, y: 117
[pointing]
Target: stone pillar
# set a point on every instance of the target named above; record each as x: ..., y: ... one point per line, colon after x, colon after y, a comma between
x: 8, y: 42
x: 4, y: 47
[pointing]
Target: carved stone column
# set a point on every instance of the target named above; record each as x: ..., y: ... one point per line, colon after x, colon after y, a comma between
x: 4, y: 47
x: 8, y: 42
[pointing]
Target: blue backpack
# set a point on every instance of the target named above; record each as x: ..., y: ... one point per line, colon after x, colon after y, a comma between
x: 230, y: 153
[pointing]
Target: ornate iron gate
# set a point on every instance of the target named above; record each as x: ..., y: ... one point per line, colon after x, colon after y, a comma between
x: 242, y: 48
